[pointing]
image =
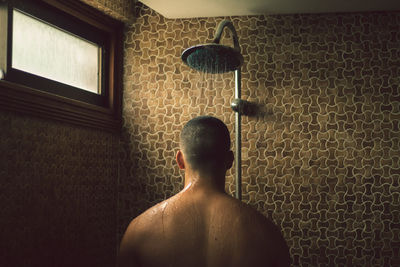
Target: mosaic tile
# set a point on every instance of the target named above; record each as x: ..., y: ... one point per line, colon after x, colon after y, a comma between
x: 322, y: 157
x: 122, y: 10
x: 58, y: 194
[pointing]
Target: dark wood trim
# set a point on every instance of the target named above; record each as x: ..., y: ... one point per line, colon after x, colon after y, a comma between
x: 85, y: 13
x: 57, y: 88
x: 24, y: 99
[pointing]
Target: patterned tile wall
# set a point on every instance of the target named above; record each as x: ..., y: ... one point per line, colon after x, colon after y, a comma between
x: 58, y: 186
x: 321, y: 158
x: 122, y: 10
x: 58, y: 192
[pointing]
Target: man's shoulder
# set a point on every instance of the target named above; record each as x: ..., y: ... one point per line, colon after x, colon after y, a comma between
x: 145, y: 219
x: 244, y: 208
x: 251, y: 217
x: 259, y: 230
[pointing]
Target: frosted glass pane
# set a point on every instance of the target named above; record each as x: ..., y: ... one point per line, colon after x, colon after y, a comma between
x: 49, y: 52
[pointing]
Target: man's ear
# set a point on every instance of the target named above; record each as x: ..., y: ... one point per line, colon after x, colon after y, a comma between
x: 229, y: 160
x: 180, y: 160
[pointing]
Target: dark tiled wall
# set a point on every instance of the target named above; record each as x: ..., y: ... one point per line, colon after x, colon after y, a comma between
x: 58, y: 187
x: 58, y: 192
x: 322, y: 156
x: 122, y: 10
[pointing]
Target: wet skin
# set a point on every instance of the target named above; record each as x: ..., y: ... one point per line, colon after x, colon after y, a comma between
x: 202, y: 226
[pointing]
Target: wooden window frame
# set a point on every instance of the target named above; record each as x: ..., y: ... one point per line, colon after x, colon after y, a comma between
x: 42, y: 99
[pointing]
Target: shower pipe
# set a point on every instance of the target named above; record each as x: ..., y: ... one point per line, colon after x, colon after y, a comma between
x: 225, y: 59
x: 238, y: 135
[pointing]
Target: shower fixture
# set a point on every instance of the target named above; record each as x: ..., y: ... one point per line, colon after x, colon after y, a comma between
x: 216, y: 58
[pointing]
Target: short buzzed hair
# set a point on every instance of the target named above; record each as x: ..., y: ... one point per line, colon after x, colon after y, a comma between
x: 205, y: 142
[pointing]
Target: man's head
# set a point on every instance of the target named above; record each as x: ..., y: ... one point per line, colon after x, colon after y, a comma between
x: 205, y: 143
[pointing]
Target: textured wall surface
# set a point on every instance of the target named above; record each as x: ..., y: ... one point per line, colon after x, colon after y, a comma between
x: 321, y: 159
x: 58, y: 191
x: 58, y: 187
x: 122, y: 10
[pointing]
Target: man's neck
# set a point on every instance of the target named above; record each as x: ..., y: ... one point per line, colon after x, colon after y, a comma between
x: 195, y: 181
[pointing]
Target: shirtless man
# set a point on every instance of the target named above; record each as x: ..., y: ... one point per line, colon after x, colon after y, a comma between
x: 202, y: 225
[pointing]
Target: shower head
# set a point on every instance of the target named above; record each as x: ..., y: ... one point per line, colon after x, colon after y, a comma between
x: 214, y: 57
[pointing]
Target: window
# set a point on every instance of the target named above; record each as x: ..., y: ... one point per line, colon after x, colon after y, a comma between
x: 46, y: 51
x: 61, y: 59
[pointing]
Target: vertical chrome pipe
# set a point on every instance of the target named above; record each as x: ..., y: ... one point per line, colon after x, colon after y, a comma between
x: 238, y: 138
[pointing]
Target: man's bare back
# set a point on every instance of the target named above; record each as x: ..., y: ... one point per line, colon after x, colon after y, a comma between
x: 202, y: 225
x: 201, y: 228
